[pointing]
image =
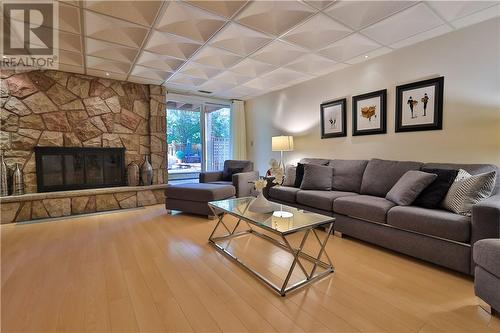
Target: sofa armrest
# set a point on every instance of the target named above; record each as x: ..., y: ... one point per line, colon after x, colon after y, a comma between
x: 243, y: 183
x: 212, y: 176
x: 486, y: 219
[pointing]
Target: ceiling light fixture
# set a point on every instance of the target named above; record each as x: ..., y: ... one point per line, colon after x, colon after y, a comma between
x: 366, y: 56
x: 107, y: 74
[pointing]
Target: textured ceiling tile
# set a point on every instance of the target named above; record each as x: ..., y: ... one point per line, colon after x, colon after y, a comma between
x: 318, y: 32
x: 359, y: 14
x: 278, y: 53
x: 158, y: 61
x: 442, y: 29
x: 107, y: 65
x: 189, y: 22
x: 143, y: 80
x: 370, y: 55
x: 349, y: 48
x: 240, y: 92
x: 319, y: 4
x: 274, y: 17
x: 252, y: 68
x: 477, y: 17
x: 71, y: 69
x: 223, y: 8
x: 239, y: 39
x: 311, y: 64
x: 106, y: 74
x: 140, y: 12
x: 114, y: 30
x: 211, y: 56
x: 452, y: 10
x: 171, y: 45
x: 110, y: 51
x: 70, y: 42
x: 70, y: 58
x: 199, y: 71
x: 283, y: 76
x: 186, y: 80
x: 404, y: 24
x: 69, y: 19
x: 233, y: 78
x: 215, y: 86
x: 149, y: 73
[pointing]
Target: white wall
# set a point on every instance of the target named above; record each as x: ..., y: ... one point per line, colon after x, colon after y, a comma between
x: 469, y: 59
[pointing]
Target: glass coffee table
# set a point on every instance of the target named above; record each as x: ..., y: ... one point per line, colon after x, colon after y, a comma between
x: 282, y: 224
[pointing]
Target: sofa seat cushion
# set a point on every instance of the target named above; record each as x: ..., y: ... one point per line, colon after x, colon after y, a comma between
x: 320, y: 199
x: 283, y: 193
x: 434, y: 222
x: 487, y: 255
x: 365, y: 207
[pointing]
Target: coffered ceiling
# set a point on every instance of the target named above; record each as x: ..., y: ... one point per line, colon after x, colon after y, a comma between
x: 241, y: 49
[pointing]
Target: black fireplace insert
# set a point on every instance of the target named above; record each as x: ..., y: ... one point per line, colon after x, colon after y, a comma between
x: 73, y: 168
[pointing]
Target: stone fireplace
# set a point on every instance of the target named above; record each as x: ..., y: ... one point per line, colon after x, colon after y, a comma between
x: 73, y: 111
x: 74, y: 168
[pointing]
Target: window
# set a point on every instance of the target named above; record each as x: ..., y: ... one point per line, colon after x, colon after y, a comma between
x: 198, y: 136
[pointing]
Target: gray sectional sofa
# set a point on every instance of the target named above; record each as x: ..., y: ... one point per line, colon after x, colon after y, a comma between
x: 361, y: 210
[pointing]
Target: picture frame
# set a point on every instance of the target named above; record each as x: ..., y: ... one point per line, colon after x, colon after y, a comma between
x: 423, y: 112
x: 369, y: 113
x: 333, y: 115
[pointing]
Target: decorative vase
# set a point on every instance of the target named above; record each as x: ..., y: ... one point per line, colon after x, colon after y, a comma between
x: 261, y: 205
x: 146, y: 172
x: 4, y: 183
x: 17, y: 181
x: 133, y: 174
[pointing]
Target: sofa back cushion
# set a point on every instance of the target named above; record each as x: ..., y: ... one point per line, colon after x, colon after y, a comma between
x: 381, y: 175
x: 317, y: 177
x: 316, y: 161
x: 247, y: 166
x: 473, y: 169
x: 347, y: 174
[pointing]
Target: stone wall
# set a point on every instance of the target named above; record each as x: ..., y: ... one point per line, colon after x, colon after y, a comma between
x: 58, y: 204
x: 53, y: 108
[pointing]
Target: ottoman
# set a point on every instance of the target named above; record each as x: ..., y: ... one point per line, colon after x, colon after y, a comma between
x: 487, y: 272
x: 193, y: 198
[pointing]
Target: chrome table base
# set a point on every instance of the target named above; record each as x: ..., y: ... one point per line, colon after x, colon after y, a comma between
x: 284, y: 244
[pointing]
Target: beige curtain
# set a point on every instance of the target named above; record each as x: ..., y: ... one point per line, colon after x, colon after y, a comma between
x: 238, y: 130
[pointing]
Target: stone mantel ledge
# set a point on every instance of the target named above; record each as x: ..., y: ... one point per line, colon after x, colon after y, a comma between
x: 79, y: 193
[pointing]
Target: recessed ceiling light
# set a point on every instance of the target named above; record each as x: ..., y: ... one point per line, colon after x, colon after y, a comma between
x: 366, y: 56
x: 107, y: 74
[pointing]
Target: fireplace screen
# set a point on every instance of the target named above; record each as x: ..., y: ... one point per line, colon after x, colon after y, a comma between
x: 71, y: 168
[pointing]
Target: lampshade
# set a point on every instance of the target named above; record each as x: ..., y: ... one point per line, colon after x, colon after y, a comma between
x: 282, y: 143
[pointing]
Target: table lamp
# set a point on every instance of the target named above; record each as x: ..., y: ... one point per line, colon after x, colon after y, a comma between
x: 282, y: 143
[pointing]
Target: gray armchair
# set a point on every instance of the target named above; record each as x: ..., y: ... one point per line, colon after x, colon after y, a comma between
x: 241, y: 180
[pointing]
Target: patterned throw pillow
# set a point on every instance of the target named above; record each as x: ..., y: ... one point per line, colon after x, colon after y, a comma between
x: 468, y: 190
x: 290, y: 173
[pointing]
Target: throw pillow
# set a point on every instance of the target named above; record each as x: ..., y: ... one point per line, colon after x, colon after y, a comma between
x: 468, y: 190
x: 317, y: 177
x: 409, y: 186
x: 290, y: 173
x: 228, y: 173
x: 299, y: 174
x: 434, y: 194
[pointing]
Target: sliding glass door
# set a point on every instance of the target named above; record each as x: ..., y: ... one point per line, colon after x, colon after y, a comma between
x: 198, y: 137
x: 217, y: 136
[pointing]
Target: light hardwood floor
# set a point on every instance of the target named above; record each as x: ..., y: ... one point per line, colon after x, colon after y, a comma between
x: 143, y: 270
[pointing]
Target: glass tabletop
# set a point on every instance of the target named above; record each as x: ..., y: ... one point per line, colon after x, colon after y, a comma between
x: 283, y: 220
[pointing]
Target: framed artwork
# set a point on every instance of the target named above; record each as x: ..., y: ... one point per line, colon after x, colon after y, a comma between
x: 369, y: 113
x: 333, y: 119
x: 419, y: 105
